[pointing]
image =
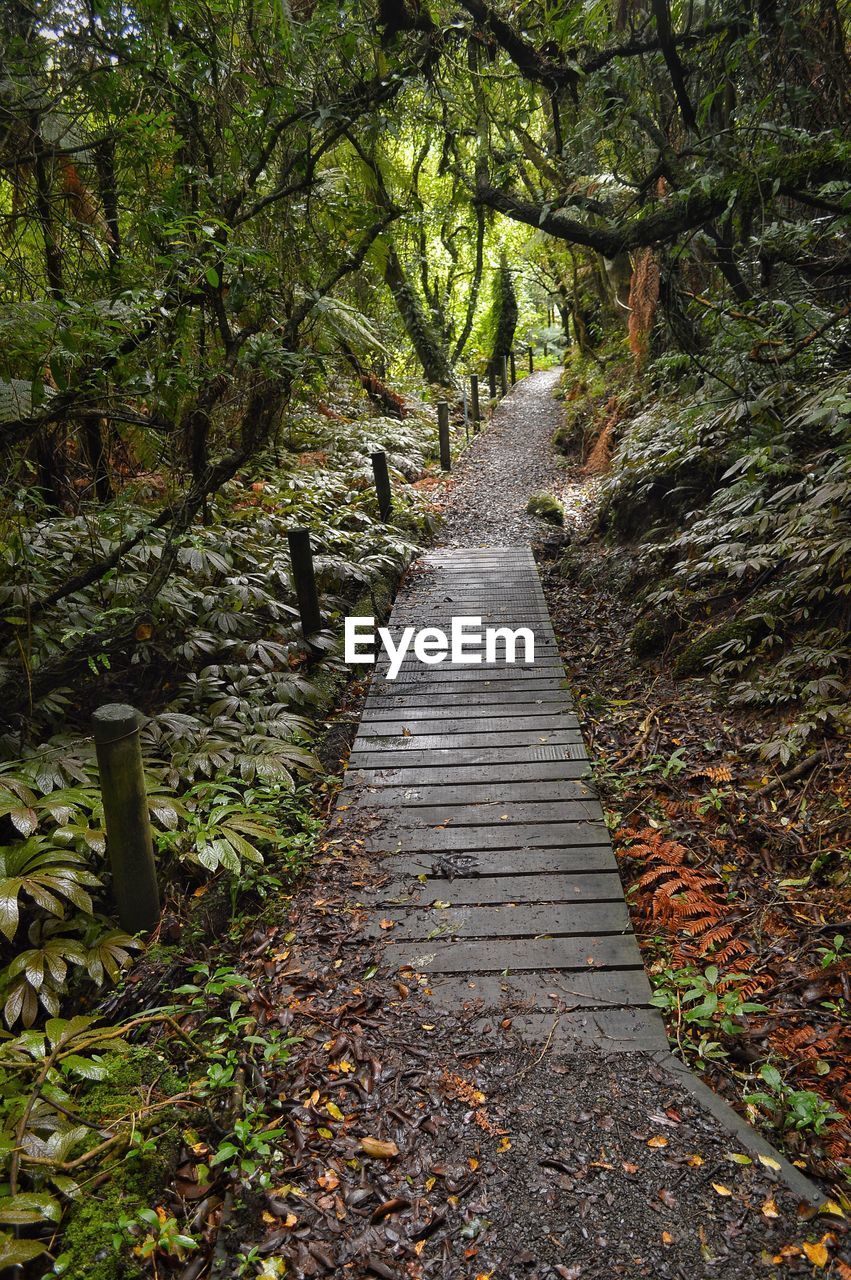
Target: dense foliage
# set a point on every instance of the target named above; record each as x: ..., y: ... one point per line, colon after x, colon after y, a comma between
x: 245, y: 244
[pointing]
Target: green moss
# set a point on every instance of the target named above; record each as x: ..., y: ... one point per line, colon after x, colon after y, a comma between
x: 88, y: 1249
x: 546, y: 507
x: 567, y: 438
x: 650, y: 635
x: 131, y: 1069
x: 136, y: 1182
x: 692, y: 658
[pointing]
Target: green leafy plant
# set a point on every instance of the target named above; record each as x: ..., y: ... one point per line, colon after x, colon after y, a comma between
x: 702, y: 1007
x: 790, y: 1108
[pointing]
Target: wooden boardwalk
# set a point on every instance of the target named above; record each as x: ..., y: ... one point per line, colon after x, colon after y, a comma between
x: 471, y: 784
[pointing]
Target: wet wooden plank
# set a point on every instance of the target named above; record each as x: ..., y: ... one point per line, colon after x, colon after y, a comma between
x: 546, y: 991
x: 555, y: 835
x: 403, y: 712
x: 493, y: 956
x: 480, y: 888
x: 521, y: 921
x: 544, y: 722
x: 429, y: 699
x: 615, y: 1030
x: 437, y: 741
x: 497, y: 772
x: 510, y: 814
x: 409, y: 795
x: 411, y: 757
x: 445, y: 870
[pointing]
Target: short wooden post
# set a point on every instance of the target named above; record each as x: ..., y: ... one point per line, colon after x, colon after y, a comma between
x: 474, y: 397
x: 503, y: 375
x: 125, y: 810
x: 492, y: 380
x: 382, y: 484
x: 443, y: 435
x: 531, y: 360
x: 304, y: 580
x: 513, y: 367
x: 545, y: 350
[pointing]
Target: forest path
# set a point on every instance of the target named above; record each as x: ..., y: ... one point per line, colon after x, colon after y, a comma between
x: 536, y: 1124
x: 508, y: 462
x: 502, y: 883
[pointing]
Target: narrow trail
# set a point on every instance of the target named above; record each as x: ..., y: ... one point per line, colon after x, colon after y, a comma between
x: 509, y: 461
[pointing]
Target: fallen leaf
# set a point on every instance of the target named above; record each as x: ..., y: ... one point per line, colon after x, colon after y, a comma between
x: 769, y: 1208
x: 695, y: 1161
x: 769, y: 1162
x: 817, y: 1253
x: 504, y: 1144
x: 473, y: 1163
x: 387, y: 924
x: 629, y: 1168
x: 658, y: 1141
x: 667, y: 1238
x: 334, y: 1111
x: 396, y: 1205
x: 380, y: 1148
x: 328, y: 1180
x: 738, y: 1158
x: 721, y: 1189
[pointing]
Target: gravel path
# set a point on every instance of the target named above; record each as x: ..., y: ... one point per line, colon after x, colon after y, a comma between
x: 513, y: 458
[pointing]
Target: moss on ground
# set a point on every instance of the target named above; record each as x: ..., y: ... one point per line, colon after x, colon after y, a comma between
x: 136, y: 1181
x: 692, y: 657
x: 546, y: 507
x: 650, y: 635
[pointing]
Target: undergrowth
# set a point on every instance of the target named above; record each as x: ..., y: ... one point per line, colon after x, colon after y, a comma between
x: 230, y: 695
x: 740, y: 513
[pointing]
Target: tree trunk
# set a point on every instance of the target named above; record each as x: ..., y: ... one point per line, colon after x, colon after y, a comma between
x: 426, y: 344
x: 504, y: 315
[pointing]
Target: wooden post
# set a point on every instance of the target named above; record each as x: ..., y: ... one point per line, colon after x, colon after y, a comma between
x: 382, y: 484
x: 304, y: 580
x: 513, y: 367
x: 125, y: 810
x: 443, y: 435
x: 474, y: 397
x: 503, y: 375
x: 492, y: 380
x: 531, y: 360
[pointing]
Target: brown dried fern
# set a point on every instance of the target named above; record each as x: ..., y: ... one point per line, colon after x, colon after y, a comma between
x: 687, y: 902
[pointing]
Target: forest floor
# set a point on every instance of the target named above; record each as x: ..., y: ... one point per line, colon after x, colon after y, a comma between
x: 407, y: 1143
